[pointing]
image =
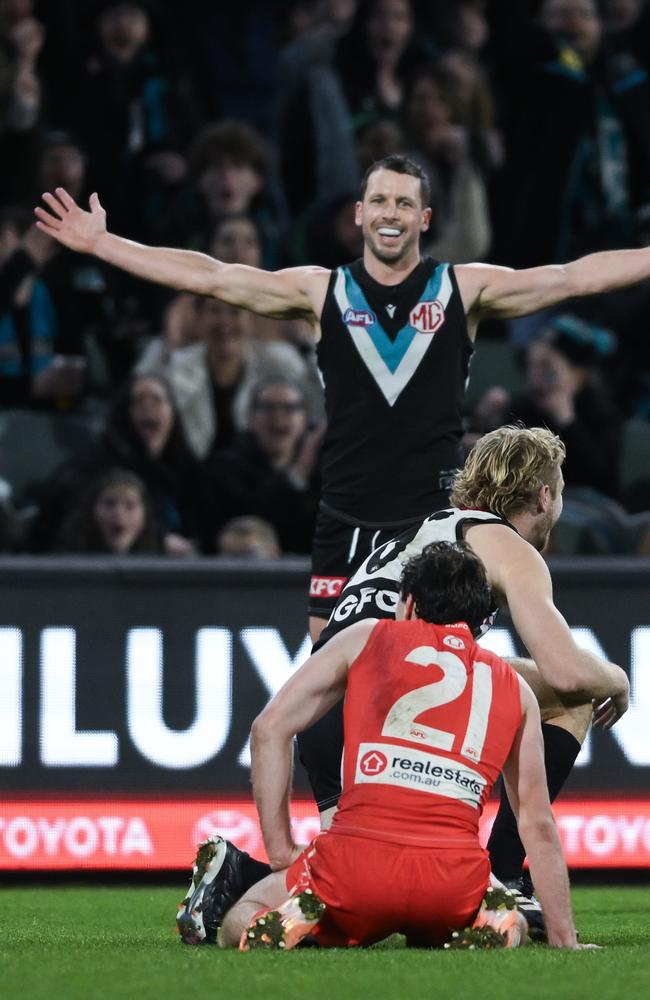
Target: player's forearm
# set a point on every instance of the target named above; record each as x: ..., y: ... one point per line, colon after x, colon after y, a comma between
x: 271, y: 770
x: 184, y: 270
x: 588, y: 677
x: 607, y: 271
x: 550, y: 878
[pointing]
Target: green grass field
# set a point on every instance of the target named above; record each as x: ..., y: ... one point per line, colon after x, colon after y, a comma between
x: 69, y: 942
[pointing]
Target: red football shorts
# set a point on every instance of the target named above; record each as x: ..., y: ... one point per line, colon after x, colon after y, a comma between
x: 373, y: 888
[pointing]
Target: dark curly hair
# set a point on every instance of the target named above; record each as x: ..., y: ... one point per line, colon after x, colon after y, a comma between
x: 447, y: 581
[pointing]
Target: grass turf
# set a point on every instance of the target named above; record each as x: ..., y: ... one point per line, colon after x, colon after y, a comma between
x: 78, y: 942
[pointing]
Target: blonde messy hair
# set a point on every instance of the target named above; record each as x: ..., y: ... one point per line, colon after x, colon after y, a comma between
x: 506, y: 468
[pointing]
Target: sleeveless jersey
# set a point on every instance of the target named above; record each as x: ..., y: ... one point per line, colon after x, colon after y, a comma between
x: 430, y: 718
x: 394, y: 361
x: 373, y: 591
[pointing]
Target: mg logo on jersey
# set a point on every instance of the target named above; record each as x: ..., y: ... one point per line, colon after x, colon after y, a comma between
x: 426, y: 317
x: 359, y: 317
x: 373, y: 762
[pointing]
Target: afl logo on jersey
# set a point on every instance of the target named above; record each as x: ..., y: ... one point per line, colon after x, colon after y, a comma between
x: 454, y: 642
x: 426, y: 317
x: 359, y: 317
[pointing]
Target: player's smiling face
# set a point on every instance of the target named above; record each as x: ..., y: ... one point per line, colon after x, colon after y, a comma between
x: 392, y: 215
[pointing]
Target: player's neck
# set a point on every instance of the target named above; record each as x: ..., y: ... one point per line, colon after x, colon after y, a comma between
x: 390, y: 272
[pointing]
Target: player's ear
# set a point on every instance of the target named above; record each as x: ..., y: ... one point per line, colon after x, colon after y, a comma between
x: 426, y: 220
x: 409, y: 608
x: 358, y: 209
x: 544, y: 499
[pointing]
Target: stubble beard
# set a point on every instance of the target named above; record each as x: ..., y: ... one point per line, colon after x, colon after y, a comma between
x: 386, y: 255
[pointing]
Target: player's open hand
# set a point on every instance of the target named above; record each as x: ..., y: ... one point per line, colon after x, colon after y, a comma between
x: 609, y: 711
x: 69, y: 224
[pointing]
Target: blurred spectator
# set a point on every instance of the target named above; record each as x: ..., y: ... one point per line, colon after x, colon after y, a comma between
x: 271, y: 470
x: 473, y: 102
x: 21, y: 41
x: 377, y: 55
x: 627, y: 23
x: 85, y: 323
x: 457, y: 24
x: 329, y: 235
x: 578, y: 137
x: 566, y: 394
x: 130, y: 98
x: 237, y: 240
x: 460, y: 229
x: 248, y: 538
x: 311, y: 121
x: 212, y: 379
x: 115, y: 516
x: 144, y: 435
x: 233, y: 50
x: 230, y: 164
x: 378, y: 137
x: 31, y: 372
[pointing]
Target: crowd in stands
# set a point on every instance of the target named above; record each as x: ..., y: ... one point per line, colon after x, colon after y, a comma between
x: 243, y: 130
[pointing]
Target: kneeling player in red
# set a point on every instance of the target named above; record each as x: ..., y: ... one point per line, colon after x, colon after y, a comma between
x: 431, y: 719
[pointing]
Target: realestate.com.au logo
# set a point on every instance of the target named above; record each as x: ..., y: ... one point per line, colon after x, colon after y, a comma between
x: 373, y: 762
x: 426, y: 772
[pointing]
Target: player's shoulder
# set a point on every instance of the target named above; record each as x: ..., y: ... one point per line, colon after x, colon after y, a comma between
x: 494, y: 531
x: 354, y: 638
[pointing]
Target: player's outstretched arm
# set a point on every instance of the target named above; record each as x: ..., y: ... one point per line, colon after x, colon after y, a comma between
x: 305, y: 698
x: 297, y: 292
x: 525, y: 780
x: 501, y: 292
x: 518, y: 572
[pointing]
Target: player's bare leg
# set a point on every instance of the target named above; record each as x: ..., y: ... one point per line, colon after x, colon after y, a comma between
x: 269, y: 893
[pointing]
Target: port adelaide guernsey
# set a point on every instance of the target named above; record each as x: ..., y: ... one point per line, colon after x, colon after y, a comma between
x: 394, y: 361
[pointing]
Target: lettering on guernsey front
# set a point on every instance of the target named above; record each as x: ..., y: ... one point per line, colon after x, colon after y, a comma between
x: 402, y: 767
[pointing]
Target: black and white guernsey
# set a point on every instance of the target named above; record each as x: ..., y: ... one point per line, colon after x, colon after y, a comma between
x: 394, y: 361
x: 373, y: 590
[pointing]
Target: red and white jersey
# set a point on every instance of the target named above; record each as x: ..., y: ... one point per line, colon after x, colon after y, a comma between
x: 430, y: 718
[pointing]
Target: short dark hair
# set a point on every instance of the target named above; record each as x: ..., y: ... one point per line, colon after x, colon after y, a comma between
x: 399, y: 165
x: 230, y: 142
x: 447, y: 582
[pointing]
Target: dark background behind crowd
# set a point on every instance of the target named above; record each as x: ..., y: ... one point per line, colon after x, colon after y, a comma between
x: 135, y: 420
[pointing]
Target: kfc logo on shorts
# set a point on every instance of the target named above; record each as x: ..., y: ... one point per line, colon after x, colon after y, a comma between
x: 454, y: 642
x: 373, y: 762
x: 426, y: 317
x: 326, y: 586
x: 359, y: 317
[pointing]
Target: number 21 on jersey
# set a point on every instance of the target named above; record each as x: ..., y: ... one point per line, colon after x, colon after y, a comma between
x: 401, y: 719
